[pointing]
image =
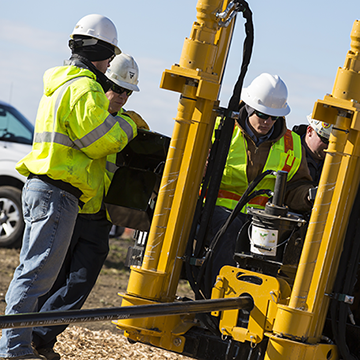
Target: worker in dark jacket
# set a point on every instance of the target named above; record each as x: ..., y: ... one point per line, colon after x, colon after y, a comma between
x: 315, y: 139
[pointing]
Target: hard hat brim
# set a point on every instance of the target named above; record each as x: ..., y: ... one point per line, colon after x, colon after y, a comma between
x: 125, y: 85
x: 246, y: 98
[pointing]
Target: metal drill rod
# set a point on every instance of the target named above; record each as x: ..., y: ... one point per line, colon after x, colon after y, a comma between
x: 279, y: 189
x: 127, y: 312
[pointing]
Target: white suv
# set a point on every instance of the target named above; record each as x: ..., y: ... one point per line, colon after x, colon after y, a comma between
x: 16, y: 136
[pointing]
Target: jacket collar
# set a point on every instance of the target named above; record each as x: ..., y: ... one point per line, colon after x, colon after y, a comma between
x: 82, y: 62
x: 279, y: 128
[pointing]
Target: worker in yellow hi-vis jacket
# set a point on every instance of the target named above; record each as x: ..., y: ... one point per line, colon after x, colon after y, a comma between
x: 90, y: 241
x: 74, y: 134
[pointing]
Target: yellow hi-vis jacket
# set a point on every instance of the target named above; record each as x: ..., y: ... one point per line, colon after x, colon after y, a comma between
x: 74, y: 132
x: 93, y: 205
x: 285, y: 154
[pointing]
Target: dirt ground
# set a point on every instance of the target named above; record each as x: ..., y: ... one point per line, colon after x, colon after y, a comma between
x: 96, y: 340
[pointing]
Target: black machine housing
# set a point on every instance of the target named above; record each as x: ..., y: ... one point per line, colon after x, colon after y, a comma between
x: 131, y: 198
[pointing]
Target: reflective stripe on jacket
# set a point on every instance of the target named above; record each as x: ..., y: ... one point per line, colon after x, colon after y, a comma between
x: 285, y: 154
x: 74, y: 131
x: 94, y: 204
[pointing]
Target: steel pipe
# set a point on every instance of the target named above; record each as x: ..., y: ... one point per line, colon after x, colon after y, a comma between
x: 127, y: 312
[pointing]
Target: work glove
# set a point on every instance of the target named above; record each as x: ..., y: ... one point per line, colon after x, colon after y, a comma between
x: 137, y: 119
x: 312, y: 194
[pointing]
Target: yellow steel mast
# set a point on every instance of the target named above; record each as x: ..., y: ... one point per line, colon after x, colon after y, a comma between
x: 197, y: 78
x: 298, y: 326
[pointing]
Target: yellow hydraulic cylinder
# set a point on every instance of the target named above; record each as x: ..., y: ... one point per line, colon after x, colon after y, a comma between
x: 320, y: 213
x: 197, y: 78
x: 303, y: 319
x: 170, y: 177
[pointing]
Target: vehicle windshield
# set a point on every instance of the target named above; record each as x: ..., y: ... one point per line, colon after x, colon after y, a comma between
x: 14, y: 127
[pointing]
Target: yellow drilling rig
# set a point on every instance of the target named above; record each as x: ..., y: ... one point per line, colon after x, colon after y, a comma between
x: 303, y: 297
x: 300, y: 302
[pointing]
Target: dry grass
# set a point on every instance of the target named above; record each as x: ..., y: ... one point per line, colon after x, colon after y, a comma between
x: 97, y: 340
x: 80, y: 343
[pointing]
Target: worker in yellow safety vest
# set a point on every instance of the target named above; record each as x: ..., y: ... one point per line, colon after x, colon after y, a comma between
x: 260, y: 142
x: 74, y: 133
x: 89, y: 245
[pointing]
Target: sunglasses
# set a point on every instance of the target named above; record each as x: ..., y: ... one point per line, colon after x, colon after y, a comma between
x: 265, y: 117
x: 120, y: 90
x: 323, y: 139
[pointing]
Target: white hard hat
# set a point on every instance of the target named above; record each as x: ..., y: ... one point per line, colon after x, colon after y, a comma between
x: 124, y: 71
x: 267, y: 94
x: 97, y: 27
x: 321, y: 128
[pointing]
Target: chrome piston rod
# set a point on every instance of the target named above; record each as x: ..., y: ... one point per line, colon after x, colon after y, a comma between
x: 127, y: 312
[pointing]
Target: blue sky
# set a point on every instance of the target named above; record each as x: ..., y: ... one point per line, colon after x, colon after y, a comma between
x: 303, y: 42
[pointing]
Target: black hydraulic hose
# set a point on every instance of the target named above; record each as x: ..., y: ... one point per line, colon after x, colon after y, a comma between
x: 199, y: 211
x: 245, y: 198
x: 348, y: 289
x: 235, y: 98
x: 228, y: 127
x: 247, y: 52
x: 226, y: 134
x: 213, y: 175
x: 345, y: 281
x: 225, y: 226
x: 242, y: 202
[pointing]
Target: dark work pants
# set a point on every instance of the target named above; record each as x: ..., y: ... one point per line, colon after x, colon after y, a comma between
x: 224, y: 251
x: 87, y: 252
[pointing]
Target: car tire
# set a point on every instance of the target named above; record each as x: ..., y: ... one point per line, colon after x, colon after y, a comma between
x: 11, y: 217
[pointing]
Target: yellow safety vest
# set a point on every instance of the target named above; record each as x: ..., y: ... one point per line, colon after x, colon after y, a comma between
x: 285, y: 155
x: 74, y: 131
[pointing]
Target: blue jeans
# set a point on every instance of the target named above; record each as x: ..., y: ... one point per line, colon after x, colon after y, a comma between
x: 49, y: 215
x: 87, y: 252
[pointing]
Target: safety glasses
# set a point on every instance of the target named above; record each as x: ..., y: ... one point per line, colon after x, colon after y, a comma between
x: 265, y: 117
x: 323, y: 139
x: 119, y: 90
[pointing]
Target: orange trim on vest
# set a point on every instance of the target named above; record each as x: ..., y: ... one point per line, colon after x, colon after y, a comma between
x: 288, y: 141
x: 228, y: 195
x: 258, y: 200
x: 288, y: 167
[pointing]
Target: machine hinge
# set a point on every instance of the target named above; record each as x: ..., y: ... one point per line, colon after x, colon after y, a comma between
x: 348, y: 299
